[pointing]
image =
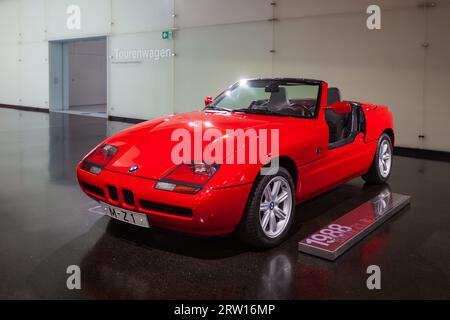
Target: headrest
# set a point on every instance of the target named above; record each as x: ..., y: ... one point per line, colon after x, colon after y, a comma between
x: 334, y: 95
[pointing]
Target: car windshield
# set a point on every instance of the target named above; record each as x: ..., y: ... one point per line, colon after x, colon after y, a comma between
x: 272, y: 97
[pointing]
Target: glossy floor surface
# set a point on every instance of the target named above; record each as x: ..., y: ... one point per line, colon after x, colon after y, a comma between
x: 47, y: 224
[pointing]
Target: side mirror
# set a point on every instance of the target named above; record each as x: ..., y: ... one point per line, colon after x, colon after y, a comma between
x: 340, y: 107
x: 208, y: 100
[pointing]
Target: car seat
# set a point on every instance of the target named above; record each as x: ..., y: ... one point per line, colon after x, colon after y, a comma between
x: 340, y: 125
x: 278, y: 100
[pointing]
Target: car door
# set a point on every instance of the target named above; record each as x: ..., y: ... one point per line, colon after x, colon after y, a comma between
x: 341, y: 159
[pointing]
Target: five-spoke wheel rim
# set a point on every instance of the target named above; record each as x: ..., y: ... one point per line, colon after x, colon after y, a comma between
x: 275, y: 207
x: 385, y: 158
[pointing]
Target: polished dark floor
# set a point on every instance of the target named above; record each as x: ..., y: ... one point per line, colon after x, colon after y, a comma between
x: 46, y: 225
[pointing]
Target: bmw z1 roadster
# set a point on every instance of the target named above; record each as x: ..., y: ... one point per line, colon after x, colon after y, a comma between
x: 142, y: 176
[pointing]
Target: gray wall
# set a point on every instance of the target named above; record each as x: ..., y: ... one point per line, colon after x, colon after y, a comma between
x: 218, y: 42
x: 87, y: 65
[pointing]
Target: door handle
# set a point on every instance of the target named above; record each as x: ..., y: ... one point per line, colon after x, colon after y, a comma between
x: 319, y: 150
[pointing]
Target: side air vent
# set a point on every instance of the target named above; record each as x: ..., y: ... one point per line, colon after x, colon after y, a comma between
x: 167, y: 209
x: 93, y: 189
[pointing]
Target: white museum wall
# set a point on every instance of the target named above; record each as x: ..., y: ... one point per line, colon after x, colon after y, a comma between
x: 95, y: 18
x: 216, y: 42
x: 140, y: 88
x: 436, y: 112
x: 142, y: 16
x: 33, y: 74
x: 381, y: 67
x: 195, y: 13
x: 211, y: 58
x: 310, y: 8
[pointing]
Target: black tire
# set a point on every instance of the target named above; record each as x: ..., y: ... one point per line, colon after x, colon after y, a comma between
x: 374, y: 175
x: 250, y: 230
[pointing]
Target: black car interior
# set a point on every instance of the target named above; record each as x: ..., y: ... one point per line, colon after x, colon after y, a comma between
x: 279, y: 102
x: 343, y: 127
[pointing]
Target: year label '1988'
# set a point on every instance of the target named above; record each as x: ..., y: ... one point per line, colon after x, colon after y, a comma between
x: 328, y: 235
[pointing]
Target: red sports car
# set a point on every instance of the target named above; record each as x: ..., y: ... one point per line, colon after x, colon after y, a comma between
x: 208, y: 172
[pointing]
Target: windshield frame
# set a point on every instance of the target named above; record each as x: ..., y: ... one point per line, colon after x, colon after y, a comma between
x: 279, y: 81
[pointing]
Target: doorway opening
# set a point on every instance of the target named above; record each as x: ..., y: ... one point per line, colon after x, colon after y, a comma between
x: 78, y: 76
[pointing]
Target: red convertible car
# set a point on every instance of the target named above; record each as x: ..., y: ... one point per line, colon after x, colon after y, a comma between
x: 321, y: 142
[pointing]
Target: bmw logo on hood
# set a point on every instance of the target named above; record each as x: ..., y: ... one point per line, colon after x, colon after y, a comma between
x: 133, y: 169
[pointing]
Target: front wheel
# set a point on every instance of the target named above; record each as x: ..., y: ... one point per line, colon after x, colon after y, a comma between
x: 380, y: 170
x: 270, y: 211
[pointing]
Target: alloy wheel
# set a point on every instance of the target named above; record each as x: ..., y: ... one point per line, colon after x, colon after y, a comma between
x: 385, y: 158
x: 275, y: 207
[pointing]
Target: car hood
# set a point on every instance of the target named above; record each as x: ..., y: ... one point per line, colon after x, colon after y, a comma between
x: 149, y: 145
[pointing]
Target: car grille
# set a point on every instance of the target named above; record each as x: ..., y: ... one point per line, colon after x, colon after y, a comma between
x: 128, y: 197
x: 129, y: 201
x: 113, y: 193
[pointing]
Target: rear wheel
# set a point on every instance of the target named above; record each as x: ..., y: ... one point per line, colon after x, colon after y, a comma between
x: 270, y: 211
x: 380, y: 170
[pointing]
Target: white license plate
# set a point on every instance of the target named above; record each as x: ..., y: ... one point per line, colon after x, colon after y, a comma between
x: 136, y: 218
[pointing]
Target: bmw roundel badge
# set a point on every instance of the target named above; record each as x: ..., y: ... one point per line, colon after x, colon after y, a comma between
x: 133, y: 169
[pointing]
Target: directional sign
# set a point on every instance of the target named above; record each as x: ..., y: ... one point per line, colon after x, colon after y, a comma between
x: 167, y: 35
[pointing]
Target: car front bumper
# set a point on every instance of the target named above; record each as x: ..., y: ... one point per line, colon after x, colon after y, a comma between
x: 209, y: 212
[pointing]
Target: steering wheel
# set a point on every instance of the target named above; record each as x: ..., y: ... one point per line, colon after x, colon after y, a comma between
x: 255, y: 104
x: 296, y: 107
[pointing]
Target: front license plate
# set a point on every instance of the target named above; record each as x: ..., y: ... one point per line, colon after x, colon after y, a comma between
x: 136, y: 218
